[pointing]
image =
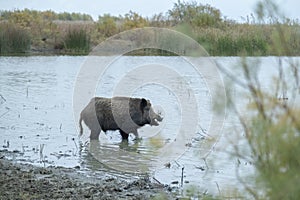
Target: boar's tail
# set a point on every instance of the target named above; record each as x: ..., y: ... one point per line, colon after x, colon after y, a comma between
x: 80, y: 126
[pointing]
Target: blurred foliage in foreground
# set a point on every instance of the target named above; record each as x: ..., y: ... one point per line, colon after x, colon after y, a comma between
x: 271, y: 124
x: 219, y: 36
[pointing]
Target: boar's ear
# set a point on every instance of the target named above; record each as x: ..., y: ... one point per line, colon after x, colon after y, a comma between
x: 143, y: 104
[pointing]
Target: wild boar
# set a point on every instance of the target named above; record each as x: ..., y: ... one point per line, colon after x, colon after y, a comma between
x: 118, y: 113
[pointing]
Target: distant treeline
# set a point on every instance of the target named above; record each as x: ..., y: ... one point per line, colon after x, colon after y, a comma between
x: 43, y: 15
x: 30, y: 31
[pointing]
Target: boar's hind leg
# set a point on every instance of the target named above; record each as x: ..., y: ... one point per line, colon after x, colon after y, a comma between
x: 124, y: 135
x: 95, y: 134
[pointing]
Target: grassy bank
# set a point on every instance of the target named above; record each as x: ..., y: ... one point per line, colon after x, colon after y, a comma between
x: 248, y: 39
x: 47, y: 32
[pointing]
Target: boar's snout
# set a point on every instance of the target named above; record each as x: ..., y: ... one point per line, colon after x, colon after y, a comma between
x: 155, y: 118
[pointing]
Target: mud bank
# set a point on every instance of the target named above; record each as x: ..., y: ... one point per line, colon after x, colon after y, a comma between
x: 25, y: 181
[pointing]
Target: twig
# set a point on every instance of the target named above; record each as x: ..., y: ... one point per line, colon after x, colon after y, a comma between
x: 177, y: 163
x: 157, y: 180
x: 254, y: 194
x: 41, y: 148
x: 75, y: 144
x: 7, y: 110
x: 182, y: 169
x: 232, y: 76
x: 218, y: 188
x: 2, y: 98
x: 204, y: 159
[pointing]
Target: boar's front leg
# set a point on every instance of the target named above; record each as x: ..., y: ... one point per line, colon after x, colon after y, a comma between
x: 135, y: 133
x: 124, y: 135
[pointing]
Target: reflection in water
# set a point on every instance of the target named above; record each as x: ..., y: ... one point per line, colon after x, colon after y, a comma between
x: 122, y: 157
x: 124, y: 145
x: 97, y: 158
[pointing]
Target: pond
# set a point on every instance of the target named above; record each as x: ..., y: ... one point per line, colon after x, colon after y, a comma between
x: 41, y: 99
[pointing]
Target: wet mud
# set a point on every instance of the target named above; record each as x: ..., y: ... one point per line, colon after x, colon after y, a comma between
x: 26, y: 181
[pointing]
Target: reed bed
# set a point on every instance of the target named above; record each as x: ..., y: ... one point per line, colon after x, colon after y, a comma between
x: 77, y: 41
x: 13, y: 39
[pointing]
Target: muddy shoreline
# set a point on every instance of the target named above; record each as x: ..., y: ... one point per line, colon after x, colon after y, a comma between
x: 25, y: 181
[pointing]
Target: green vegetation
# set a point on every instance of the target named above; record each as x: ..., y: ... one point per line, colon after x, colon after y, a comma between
x: 26, y: 15
x: 271, y: 125
x: 195, y: 14
x: 77, y: 42
x: 48, y: 31
x: 107, y: 25
x: 272, y: 131
x: 13, y: 40
x: 238, y: 40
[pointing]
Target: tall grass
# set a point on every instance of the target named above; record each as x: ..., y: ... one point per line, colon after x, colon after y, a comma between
x: 235, y: 40
x: 77, y: 41
x: 13, y: 40
x: 250, y: 46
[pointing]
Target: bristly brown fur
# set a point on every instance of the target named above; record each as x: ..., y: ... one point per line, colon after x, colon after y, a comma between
x: 118, y: 113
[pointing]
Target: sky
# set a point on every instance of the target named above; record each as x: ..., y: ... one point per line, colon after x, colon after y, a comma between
x: 231, y: 9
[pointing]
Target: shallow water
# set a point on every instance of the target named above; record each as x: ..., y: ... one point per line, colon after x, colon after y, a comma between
x: 39, y: 122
